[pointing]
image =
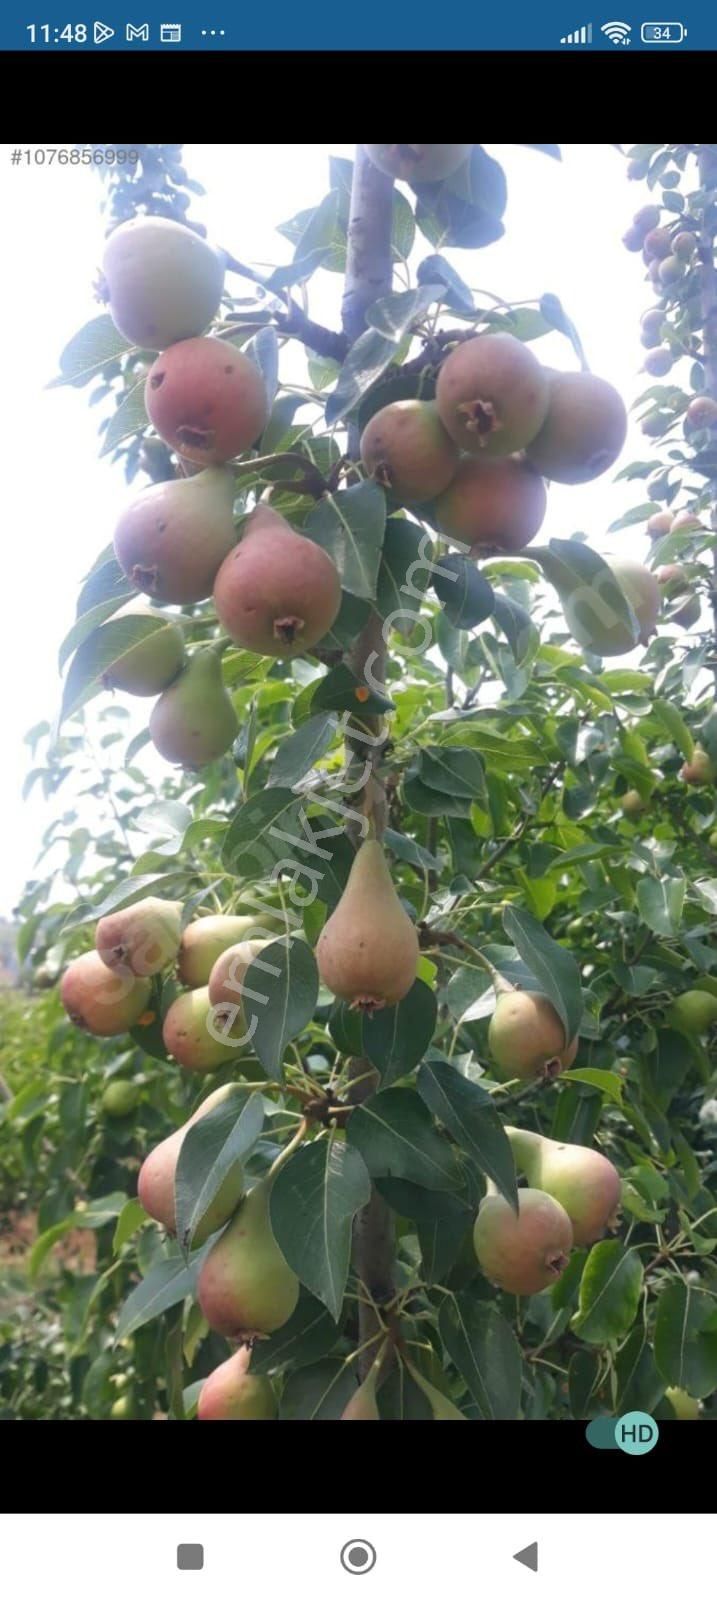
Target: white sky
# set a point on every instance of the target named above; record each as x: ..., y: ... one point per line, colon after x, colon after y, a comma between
x: 563, y: 228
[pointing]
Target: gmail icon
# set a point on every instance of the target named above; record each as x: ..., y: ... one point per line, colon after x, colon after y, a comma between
x: 140, y: 32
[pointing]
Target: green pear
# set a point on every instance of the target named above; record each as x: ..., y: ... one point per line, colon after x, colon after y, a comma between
x: 632, y: 803
x: 150, y: 665
x: 232, y: 1394
x: 583, y: 1180
x: 442, y: 1409
x: 120, y: 1098
x: 163, y: 281
x: 200, y: 1036
x: 143, y: 937
x: 525, y: 1253
x: 227, y: 976
x: 694, y: 1011
x: 685, y: 1407
x: 246, y: 1289
x: 155, y: 1184
x: 194, y: 721
x: 641, y: 589
x: 102, y: 1002
x: 367, y: 952
x: 171, y: 541
x: 526, y: 1037
x: 277, y: 593
x: 406, y: 449
x: 363, y: 1405
x: 206, y: 939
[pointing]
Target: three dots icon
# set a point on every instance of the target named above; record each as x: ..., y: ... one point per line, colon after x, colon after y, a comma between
x: 212, y: 33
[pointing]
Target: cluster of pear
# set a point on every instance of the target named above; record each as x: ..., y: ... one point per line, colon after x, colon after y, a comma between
x: 499, y: 425
x: 275, y: 592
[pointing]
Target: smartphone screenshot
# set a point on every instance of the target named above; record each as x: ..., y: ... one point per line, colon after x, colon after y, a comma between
x: 358, y: 970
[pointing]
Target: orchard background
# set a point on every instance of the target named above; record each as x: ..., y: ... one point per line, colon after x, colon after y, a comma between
x: 515, y: 720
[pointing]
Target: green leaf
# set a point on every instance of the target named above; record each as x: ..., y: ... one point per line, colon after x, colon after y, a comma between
x: 554, y: 967
x: 129, y: 418
x: 686, y: 1338
x: 519, y: 629
x: 95, y: 346
x: 484, y: 1348
x: 455, y: 293
x: 394, y: 313
x: 319, y: 1393
x: 403, y: 227
x: 398, y: 596
x: 676, y: 727
x: 466, y: 596
x: 250, y: 845
x: 609, y: 1293
x: 279, y: 994
x: 99, y: 652
x: 660, y: 902
x: 596, y: 611
x: 609, y: 1083
x: 106, y: 582
x: 210, y: 1150
x: 263, y: 350
x: 467, y: 1112
x: 341, y: 690
x: 454, y: 769
x: 314, y: 1200
x: 396, y: 1038
x: 132, y: 1217
x: 350, y: 526
x: 368, y: 357
x: 86, y: 624
x: 395, y: 1135
x: 164, y: 1286
x: 464, y: 209
x: 407, y: 850
x: 309, y: 1334
x: 583, y: 1375
x: 299, y: 753
x: 431, y: 802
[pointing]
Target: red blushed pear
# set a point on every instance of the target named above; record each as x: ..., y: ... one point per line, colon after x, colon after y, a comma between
x: 406, y: 449
x: 699, y: 769
x: 584, y: 429
x: 246, y: 1288
x: 102, y: 1002
x: 492, y: 395
x: 583, y: 1180
x: 226, y: 982
x: 526, y: 1253
x: 206, y: 939
x: 233, y: 1394
x: 172, y: 540
x: 494, y: 507
x: 367, y: 952
x: 201, y: 1037
x: 207, y: 400
x: 155, y: 1184
x: 143, y: 937
x: 277, y: 593
x: 526, y: 1037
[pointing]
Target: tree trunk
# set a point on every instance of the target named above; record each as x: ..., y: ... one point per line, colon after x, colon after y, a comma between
x: 368, y: 276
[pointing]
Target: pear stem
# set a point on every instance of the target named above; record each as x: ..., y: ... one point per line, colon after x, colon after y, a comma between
x: 288, y: 1150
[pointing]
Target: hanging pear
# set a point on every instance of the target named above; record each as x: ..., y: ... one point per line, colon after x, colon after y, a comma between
x: 147, y: 667
x: 227, y: 976
x: 492, y: 394
x: 194, y: 721
x: 442, y: 1409
x: 206, y: 939
x: 525, y: 1253
x: 164, y: 282
x: 363, y: 1406
x: 155, y: 1184
x: 246, y: 1289
x: 584, y: 430
x: 102, y: 1002
x: 277, y: 592
x: 418, y: 163
x: 526, y: 1037
x: 641, y: 589
x: 201, y: 1037
x: 583, y: 1180
x: 143, y: 937
x: 171, y: 541
x: 207, y: 400
x: 367, y: 952
x: 233, y: 1394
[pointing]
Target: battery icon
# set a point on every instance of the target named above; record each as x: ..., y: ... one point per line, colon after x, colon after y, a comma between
x: 663, y: 33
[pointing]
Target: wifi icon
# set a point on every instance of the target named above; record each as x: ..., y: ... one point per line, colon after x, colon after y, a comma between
x: 617, y: 32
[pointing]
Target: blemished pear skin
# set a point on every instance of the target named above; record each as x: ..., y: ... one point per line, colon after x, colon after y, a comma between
x: 194, y: 720
x: 367, y: 952
x: 146, y: 668
x: 227, y: 976
x: 155, y: 1184
x: 102, y: 1002
x: 143, y: 937
x: 232, y: 1394
x: 418, y: 163
x: 200, y: 1036
x: 164, y: 282
x: 492, y: 506
x: 246, y: 1289
x: 406, y: 449
x: 699, y: 769
x: 207, y: 400
x: 584, y: 430
x: 694, y: 1011
x: 172, y: 540
x: 642, y: 590
x: 525, y: 1253
x: 206, y: 939
x: 526, y: 1037
x: 277, y: 592
x: 583, y: 1180
x: 492, y: 395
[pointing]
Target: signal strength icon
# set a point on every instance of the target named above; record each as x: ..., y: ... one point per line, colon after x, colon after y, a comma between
x: 617, y: 32
x: 582, y: 35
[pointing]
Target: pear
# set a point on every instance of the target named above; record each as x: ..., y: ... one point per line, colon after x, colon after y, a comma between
x: 367, y: 952
x: 584, y: 429
x: 526, y: 1037
x: 492, y: 506
x: 277, y: 592
x: 642, y: 590
x: 632, y: 803
x: 155, y: 1184
x: 246, y: 1289
x: 207, y: 400
x: 102, y: 1002
x: 442, y: 1409
x: 492, y: 394
x: 163, y: 281
x: 120, y: 1098
x: 699, y: 769
x: 405, y: 447
x: 584, y: 1181
x: 232, y: 1394
x: 418, y: 163
x: 201, y: 1037
x: 363, y: 1406
x: 659, y: 524
x: 143, y: 937
x: 147, y: 667
x: 685, y: 1407
x: 194, y: 721
x: 205, y: 940
x: 525, y: 1253
x: 172, y: 540
x: 694, y: 1011
x: 228, y: 973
